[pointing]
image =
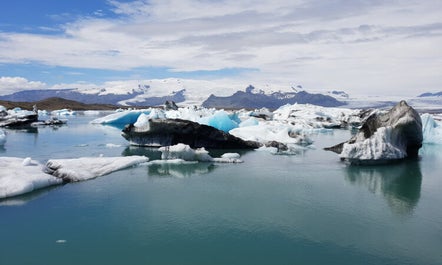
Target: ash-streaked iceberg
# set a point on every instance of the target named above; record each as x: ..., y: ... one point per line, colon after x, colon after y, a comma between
x: 167, y: 132
x: 384, y: 137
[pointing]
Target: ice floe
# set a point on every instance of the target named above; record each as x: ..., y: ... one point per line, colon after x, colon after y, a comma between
x: 22, y: 175
x: 85, y: 168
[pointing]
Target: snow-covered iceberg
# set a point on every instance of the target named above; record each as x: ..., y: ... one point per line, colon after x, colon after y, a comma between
x: 85, y: 168
x: 384, y: 137
x: 23, y: 175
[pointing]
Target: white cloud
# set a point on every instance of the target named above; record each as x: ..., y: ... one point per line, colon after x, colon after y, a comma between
x: 374, y: 46
x: 12, y: 84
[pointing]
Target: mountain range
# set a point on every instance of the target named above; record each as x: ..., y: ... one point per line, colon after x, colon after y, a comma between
x: 249, y: 99
x: 156, y: 93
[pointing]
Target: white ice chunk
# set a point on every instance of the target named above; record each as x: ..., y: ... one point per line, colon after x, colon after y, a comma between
x: 19, y: 176
x: 186, y: 153
x: 91, y: 112
x: 182, y: 151
x: 63, y: 112
x: 84, y: 168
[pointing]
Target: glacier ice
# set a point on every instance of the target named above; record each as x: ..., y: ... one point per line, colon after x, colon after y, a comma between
x: 221, y: 120
x: 431, y: 129
x: 121, y: 118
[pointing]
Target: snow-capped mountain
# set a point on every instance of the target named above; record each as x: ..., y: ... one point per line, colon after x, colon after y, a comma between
x: 259, y: 99
x: 182, y: 91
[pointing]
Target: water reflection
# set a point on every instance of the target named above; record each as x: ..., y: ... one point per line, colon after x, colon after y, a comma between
x: 151, y: 152
x: 180, y: 170
x: 27, y: 197
x: 400, y: 183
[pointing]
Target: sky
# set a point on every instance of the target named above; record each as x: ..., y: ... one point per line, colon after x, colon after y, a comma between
x: 364, y: 47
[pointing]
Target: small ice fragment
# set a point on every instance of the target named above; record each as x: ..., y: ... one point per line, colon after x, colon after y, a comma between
x: 60, y: 241
x: 27, y: 162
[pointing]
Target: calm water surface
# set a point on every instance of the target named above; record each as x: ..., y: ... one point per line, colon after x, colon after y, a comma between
x: 303, y: 209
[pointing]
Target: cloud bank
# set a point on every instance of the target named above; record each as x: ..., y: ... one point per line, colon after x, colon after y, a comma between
x: 12, y: 84
x: 369, y: 46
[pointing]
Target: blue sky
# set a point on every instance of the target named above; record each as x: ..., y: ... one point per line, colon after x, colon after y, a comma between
x: 367, y: 47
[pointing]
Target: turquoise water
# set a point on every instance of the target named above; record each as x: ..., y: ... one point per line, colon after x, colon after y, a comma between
x: 303, y: 209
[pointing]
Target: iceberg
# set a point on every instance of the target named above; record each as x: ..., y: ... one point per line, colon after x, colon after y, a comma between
x: 167, y: 132
x: 121, y: 118
x: 17, y: 118
x: 19, y: 176
x: 384, y: 137
x: 431, y: 129
x: 85, y: 168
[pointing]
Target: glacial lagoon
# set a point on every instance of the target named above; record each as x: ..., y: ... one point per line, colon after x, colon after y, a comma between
x: 307, y: 208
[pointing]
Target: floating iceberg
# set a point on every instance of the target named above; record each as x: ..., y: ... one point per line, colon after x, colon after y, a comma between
x: 17, y: 118
x: 384, y: 137
x: 19, y: 176
x: 84, y: 168
x: 121, y: 118
x: 431, y: 129
x: 167, y: 132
